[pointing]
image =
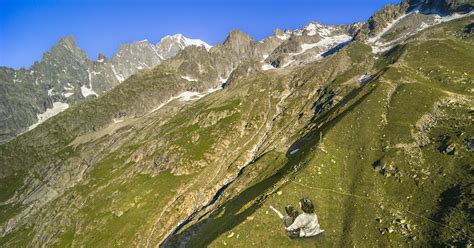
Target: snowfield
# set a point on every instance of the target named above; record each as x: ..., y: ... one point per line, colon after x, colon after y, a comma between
x: 187, y: 41
x: 378, y: 46
x: 188, y: 96
x: 188, y: 78
x: 87, y: 92
x: 57, y: 108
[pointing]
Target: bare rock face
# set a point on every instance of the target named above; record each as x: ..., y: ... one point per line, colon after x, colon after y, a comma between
x: 315, y: 37
x: 66, y: 76
x: 390, y: 12
x: 241, y: 43
x: 381, y: 18
x: 100, y: 57
x: 139, y: 55
x: 448, y: 6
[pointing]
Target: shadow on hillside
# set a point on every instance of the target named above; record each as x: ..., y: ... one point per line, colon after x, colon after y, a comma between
x: 335, y: 49
x: 227, y: 216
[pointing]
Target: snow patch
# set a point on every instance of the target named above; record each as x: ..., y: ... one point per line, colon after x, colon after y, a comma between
x: 267, y: 67
x: 318, y: 28
x: 364, y: 78
x: 325, y: 44
x: 50, y: 92
x: 440, y: 19
x: 87, y: 92
x: 287, y: 63
x: 196, y: 42
x: 219, y: 87
x: 68, y: 94
x: 223, y: 80
x: 332, y: 41
x: 294, y: 151
x: 57, y: 108
x: 187, y: 41
x: 188, y: 78
x: 285, y: 36
x: 188, y: 96
x: 118, y: 76
x: 69, y: 87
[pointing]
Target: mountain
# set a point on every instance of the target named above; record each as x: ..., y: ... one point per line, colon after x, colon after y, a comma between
x: 371, y: 122
x: 171, y: 45
x: 411, y: 16
x: 66, y: 76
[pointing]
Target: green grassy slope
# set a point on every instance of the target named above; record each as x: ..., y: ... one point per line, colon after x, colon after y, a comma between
x: 403, y: 120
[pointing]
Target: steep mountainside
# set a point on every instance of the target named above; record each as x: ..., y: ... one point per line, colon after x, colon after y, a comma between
x: 66, y: 76
x: 376, y: 130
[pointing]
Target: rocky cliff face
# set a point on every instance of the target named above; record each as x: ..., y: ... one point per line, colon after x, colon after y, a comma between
x: 66, y: 76
x: 391, y: 13
x: 308, y: 44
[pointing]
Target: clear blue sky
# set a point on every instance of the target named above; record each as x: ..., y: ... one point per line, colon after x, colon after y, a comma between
x: 30, y: 27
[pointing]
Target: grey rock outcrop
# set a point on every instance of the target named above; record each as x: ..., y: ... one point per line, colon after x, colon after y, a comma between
x: 390, y: 12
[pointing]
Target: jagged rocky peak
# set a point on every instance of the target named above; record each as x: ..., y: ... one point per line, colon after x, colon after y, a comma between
x: 133, y: 57
x: 135, y: 46
x: 353, y: 28
x: 237, y: 37
x: 314, y: 28
x: 101, y: 57
x: 242, y: 44
x: 380, y: 19
x: 278, y: 32
x: 66, y: 46
x: 67, y: 42
x: 66, y: 76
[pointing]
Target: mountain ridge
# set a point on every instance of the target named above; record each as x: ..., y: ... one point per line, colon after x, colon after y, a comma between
x: 297, y: 116
x: 66, y: 75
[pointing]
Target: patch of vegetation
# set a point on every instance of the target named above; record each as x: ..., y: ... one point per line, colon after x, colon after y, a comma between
x: 123, y: 209
x: 19, y: 238
x: 8, y: 211
x: 358, y: 51
x: 10, y: 184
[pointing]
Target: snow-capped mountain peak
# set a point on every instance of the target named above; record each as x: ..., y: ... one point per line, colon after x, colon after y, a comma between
x: 183, y: 41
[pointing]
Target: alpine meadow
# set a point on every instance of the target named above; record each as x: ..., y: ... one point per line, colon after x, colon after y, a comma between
x: 184, y: 144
